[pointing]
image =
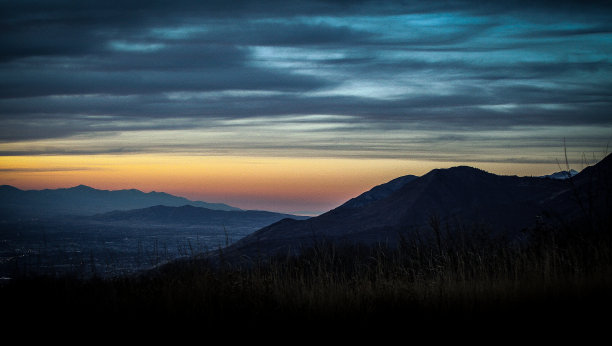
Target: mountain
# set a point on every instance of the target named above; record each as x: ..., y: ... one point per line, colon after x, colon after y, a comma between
x: 190, y: 215
x: 561, y: 175
x: 458, y: 197
x: 84, y: 200
x: 589, y: 198
x: 378, y: 192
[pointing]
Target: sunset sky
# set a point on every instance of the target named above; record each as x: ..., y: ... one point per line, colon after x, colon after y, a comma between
x: 296, y: 106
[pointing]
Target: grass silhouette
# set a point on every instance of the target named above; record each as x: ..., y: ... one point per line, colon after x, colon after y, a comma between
x: 442, y: 276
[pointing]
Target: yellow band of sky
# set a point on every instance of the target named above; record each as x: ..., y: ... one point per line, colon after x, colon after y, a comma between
x: 269, y: 183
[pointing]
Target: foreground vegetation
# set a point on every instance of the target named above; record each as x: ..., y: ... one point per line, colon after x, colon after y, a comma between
x: 560, y: 276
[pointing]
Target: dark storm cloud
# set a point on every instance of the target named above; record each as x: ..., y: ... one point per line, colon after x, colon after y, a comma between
x: 95, y: 69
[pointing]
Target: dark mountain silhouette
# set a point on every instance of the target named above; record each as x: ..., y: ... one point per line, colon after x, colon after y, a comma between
x: 588, y: 200
x: 190, y: 215
x: 455, y: 197
x: 84, y: 200
x: 378, y: 192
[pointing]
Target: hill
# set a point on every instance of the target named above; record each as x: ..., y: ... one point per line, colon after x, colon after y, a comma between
x: 378, y: 192
x: 453, y: 198
x: 190, y: 215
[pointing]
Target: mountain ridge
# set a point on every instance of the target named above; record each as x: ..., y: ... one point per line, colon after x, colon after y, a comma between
x: 85, y: 200
x: 378, y: 192
x: 187, y: 214
x: 460, y: 196
x: 561, y: 174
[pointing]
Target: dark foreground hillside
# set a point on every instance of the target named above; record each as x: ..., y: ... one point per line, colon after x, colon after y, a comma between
x: 456, y: 196
x: 556, y: 281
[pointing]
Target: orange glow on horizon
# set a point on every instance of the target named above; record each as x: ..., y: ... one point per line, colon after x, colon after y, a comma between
x: 268, y: 183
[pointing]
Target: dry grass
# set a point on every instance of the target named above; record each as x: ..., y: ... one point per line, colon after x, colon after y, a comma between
x: 460, y: 278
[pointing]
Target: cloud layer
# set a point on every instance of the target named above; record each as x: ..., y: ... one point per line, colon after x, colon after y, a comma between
x: 332, y: 78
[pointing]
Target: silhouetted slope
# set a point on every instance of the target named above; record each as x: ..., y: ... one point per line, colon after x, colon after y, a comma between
x: 588, y: 200
x: 378, y: 192
x: 84, y: 200
x: 470, y: 195
x: 458, y: 196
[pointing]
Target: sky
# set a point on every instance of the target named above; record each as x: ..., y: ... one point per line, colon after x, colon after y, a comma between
x: 297, y: 106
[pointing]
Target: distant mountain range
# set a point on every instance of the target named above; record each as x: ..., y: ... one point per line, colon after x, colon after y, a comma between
x: 455, y: 197
x: 561, y: 175
x: 84, y: 200
x: 189, y: 215
x: 68, y: 223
